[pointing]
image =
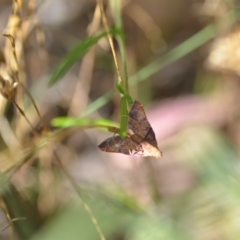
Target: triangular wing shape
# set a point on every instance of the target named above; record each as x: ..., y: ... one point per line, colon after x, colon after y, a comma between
x: 139, y: 124
x: 117, y: 144
x: 141, y: 140
x: 137, y: 121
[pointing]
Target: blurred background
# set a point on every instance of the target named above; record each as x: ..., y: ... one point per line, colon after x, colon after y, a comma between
x: 183, y: 60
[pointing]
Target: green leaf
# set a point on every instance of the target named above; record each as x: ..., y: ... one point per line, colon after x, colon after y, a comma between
x: 77, y: 52
x: 115, y: 7
x: 94, y: 106
x: 121, y: 90
x: 191, y: 44
x: 73, y: 221
x: 183, y: 49
x: 64, y: 122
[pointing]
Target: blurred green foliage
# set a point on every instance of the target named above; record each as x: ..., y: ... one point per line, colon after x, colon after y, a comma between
x: 208, y: 209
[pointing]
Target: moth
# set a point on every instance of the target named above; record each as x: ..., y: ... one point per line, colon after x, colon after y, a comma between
x: 140, y: 141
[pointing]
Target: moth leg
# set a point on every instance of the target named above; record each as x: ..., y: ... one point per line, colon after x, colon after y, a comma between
x: 132, y: 153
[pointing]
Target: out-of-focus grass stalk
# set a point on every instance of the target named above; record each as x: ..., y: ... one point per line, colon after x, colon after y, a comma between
x: 116, y: 13
x: 122, y: 82
x: 191, y: 44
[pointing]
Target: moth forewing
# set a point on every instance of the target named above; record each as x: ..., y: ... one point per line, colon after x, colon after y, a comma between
x: 116, y: 144
x: 150, y: 151
x: 141, y: 140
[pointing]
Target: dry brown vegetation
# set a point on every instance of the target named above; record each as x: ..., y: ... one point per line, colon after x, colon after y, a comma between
x: 69, y: 70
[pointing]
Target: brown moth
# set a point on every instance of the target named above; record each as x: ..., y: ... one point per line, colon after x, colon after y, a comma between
x: 141, y: 140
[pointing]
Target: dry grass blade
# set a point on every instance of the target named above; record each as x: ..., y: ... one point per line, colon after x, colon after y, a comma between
x: 83, y: 85
x: 13, y: 220
x: 24, y: 115
x: 86, y: 206
x: 106, y: 26
x: 11, y: 38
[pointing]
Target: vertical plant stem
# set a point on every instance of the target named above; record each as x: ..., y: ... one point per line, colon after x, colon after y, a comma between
x: 104, y: 20
x: 122, y: 84
x: 116, y: 10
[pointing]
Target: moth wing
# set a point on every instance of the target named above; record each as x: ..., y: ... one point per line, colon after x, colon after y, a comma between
x: 150, y: 138
x: 149, y: 150
x: 139, y: 124
x: 118, y: 145
x: 142, y: 142
x: 138, y: 121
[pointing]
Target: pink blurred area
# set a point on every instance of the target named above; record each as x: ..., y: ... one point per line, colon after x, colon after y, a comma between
x: 169, y: 117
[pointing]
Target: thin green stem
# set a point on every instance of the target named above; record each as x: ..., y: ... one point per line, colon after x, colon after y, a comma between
x: 191, y: 44
x: 116, y: 10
